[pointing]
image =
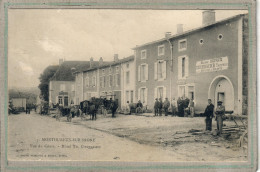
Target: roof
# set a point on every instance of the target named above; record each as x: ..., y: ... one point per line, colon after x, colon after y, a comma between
x: 65, y: 72
x: 107, y: 64
x: 191, y: 31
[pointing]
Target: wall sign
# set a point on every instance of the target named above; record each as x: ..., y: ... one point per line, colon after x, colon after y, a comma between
x: 211, y: 65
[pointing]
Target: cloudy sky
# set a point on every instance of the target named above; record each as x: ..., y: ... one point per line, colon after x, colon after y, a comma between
x: 37, y: 38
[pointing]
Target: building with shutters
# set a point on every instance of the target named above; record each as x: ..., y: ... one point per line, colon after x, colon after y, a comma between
x: 206, y: 62
x: 62, y: 85
x: 107, y: 80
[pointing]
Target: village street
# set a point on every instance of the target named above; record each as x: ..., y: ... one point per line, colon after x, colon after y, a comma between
x: 124, y: 138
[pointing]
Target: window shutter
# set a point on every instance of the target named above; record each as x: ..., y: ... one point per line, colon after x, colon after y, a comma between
x: 155, y: 71
x: 139, y: 73
x: 186, y: 66
x: 146, y: 72
x: 155, y: 93
x: 164, y: 70
x: 164, y: 93
x: 57, y: 100
x: 179, y: 67
x: 146, y: 95
x: 138, y: 94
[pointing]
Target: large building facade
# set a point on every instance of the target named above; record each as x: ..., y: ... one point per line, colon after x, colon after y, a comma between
x: 206, y: 62
x: 107, y: 80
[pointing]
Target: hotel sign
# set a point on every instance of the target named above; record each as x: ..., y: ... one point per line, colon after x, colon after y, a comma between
x: 211, y: 65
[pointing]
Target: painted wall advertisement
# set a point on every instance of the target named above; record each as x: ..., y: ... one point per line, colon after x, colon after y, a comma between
x: 211, y: 65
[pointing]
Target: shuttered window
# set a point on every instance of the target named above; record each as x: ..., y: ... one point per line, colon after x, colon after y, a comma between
x: 183, y: 67
x: 160, y: 70
x: 143, y: 72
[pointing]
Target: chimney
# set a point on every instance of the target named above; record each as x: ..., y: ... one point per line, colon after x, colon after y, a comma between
x: 208, y: 17
x: 115, y: 57
x: 60, y: 61
x: 179, y: 28
x: 100, y: 61
x: 167, y: 34
x: 91, y: 62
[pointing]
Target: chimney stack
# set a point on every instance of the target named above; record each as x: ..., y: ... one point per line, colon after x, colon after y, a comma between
x: 208, y: 17
x: 179, y: 28
x: 116, y: 57
x: 100, y: 61
x: 167, y: 34
x: 60, y: 61
x: 91, y: 62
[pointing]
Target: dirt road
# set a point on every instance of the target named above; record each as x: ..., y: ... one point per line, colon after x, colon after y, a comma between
x: 125, y: 138
x: 35, y: 137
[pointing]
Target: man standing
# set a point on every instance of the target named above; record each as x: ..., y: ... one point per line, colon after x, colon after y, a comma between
x: 209, y: 115
x: 160, y: 105
x: 166, y: 105
x: 220, y: 112
x: 156, y: 104
x: 113, y: 108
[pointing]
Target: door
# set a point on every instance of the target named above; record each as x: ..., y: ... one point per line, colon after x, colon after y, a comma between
x: 66, y: 101
x: 221, y: 97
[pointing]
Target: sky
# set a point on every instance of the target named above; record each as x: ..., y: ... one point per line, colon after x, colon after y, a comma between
x: 38, y: 38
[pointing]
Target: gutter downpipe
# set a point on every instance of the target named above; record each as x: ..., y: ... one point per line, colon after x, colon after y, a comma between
x: 171, y: 47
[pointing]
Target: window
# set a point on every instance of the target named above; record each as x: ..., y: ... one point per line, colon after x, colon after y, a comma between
x: 127, y: 65
x: 73, y: 87
x: 183, y: 67
x: 160, y: 50
x: 110, y: 80
x: 94, y: 81
x: 182, y: 45
x: 100, y: 82
x: 160, y: 92
x: 60, y: 100
x: 104, y: 81
x: 220, y: 36
x: 143, y: 95
x: 143, y: 54
x: 127, y: 77
x: 160, y: 70
x: 117, y: 69
x: 103, y: 71
x: 117, y: 79
x: 143, y: 72
x: 181, y: 90
x: 62, y: 87
x: 87, y: 82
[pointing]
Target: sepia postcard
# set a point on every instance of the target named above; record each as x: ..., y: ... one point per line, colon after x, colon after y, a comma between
x: 128, y: 86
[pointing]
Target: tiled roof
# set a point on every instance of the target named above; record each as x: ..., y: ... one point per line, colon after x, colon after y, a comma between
x: 191, y: 31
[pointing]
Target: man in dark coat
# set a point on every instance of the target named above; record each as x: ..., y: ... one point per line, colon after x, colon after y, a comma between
x: 166, y: 105
x: 209, y: 115
x: 113, y: 108
x: 156, y: 104
x: 139, y: 107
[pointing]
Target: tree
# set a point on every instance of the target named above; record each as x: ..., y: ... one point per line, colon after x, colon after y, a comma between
x: 45, y: 79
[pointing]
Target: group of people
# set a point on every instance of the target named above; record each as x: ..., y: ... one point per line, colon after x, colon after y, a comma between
x: 219, y: 115
x: 111, y: 105
x: 159, y: 106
